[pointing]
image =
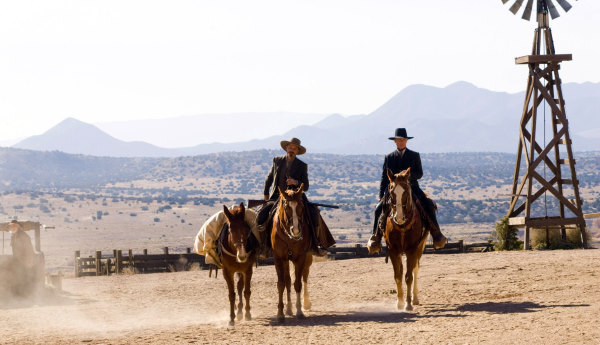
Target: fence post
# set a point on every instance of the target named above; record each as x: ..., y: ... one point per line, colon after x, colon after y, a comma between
x: 118, y: 260
x: 98, y: 262
x: 108, y: 264
x: 76, y: 263
x: 188, y: 250
x: 166, y: 258
x: 145, y: 260
x: 131, y: 258
x: 461, y: 246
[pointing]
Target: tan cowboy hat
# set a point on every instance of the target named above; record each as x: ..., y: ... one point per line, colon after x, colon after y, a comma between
x: 295, y: 141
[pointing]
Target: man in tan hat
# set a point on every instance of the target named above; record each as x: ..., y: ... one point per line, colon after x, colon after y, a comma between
x: 286, y: 172
x: 401, y: 159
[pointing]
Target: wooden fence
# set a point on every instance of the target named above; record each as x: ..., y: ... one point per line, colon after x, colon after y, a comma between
x: 117, y: 262
x: 139, y: 263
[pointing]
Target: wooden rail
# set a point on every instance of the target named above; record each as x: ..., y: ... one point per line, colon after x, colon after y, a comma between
x: 117, y: 262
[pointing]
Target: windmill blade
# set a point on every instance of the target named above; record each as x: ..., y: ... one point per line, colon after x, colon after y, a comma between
x: 504, y: 1
x: 527, y: 12
x: 515, y: 7
x: 553, y: 11
x: 564, y: 4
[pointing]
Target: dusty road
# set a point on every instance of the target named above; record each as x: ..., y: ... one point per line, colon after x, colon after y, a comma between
x: 539, y: 297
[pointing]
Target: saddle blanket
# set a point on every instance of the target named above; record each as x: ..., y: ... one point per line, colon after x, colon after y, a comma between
x: 206, y: 239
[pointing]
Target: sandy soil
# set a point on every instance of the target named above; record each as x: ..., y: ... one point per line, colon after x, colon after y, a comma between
x: 538, y: 297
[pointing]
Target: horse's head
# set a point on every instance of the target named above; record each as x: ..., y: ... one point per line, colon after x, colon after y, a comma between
x: 291, y: 211
x: 401, y: 195
x: 238, y: 231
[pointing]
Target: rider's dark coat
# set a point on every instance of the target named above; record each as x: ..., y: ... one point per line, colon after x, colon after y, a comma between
x: 298, y: 171
x: 398, y: 161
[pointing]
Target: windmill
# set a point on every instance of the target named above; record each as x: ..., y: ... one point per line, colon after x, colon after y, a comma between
x: 545, y: 191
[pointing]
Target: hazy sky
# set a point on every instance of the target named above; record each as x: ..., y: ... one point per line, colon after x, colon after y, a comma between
x: 101, y: 61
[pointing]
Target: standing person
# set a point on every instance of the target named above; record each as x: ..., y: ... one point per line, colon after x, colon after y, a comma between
x: 286, y: 172
x: 401, y: 159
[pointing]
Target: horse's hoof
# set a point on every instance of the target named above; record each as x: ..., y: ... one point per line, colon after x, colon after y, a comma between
x: 239, y: 316
x: 281, y: 319
x: 408, y: 307
x: 300, y: 315
x: 416, y: 301
x: 231, y: 323
x: 307, y: 305
x: 289, y: 312
x: 248, y: 317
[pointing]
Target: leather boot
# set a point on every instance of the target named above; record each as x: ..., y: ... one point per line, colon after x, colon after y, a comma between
x: 439, y: 240
x: 374, y: 244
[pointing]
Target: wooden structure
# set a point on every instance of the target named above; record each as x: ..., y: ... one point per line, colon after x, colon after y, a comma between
x: 549, y: 167
x: 139, y: 263
x: 36, y: 274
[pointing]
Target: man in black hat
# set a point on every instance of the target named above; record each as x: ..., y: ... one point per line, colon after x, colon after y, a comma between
x: 401, y: 159
x: 286, y: 172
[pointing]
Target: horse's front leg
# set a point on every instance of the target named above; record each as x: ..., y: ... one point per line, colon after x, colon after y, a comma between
x: 288, y: 287
x: 309, y: 259
x: 230, y: 286
x: 247, y: 292
x: 415, y: 298
x: 396, y: 258
x: 279, y: 263
x: 240, y: 288
x: 298, y: 272
x: 411, y: 262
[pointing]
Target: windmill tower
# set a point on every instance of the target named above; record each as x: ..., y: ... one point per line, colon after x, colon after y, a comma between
x: 545, y: 192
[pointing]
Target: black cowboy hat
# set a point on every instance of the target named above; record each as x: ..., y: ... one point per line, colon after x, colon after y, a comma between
x: 400, y: 134
x: 295, y: 141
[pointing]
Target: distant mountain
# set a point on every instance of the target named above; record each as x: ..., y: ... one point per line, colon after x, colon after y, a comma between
x: 458, y: 118
x: 77, y: 137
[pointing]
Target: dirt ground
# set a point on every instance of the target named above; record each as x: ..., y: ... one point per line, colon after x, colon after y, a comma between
x: 537, y: 297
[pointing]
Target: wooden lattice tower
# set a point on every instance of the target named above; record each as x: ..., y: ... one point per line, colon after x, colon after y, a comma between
x: 545, y: 167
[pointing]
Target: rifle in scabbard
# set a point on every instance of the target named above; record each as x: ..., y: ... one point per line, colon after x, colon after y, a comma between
x: 257, y: 202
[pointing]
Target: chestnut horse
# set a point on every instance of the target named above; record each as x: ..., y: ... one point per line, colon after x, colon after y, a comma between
x: 237, y: 257
x: 291, y: 241
x: 406, y: 234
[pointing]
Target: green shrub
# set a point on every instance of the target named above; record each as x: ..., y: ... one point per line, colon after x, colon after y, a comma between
x: 505, y: 236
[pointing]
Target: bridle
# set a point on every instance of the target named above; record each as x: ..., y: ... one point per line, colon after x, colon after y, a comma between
x: 240, y: 243
x: 286, y: 223
x: 406, y: 202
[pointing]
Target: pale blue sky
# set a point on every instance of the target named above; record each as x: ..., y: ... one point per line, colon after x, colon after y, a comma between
x: 102, y: 61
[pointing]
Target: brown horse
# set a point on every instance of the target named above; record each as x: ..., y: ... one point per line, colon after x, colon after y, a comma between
x: 405, y: 233
x: 235, y: 257
x: 291, y: 240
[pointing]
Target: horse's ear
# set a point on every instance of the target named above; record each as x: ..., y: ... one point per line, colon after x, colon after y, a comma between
x: 242, y: 208
x: 390, y: 174
x: 226, y: 211
x: 280, y: 192
x: 408, y: 172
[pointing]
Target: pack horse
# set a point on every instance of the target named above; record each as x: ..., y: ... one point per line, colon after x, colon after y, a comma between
x: 237, y: 251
